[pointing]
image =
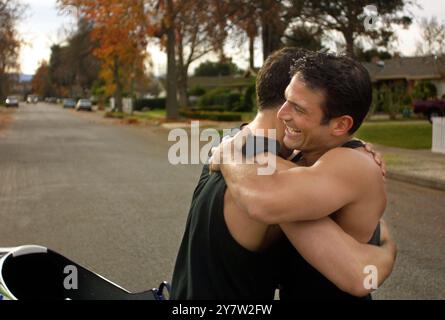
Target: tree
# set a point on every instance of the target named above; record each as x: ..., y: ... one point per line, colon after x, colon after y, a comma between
x: 347, y: 17
x: 424, y: 90
x: 73, y: 68
x: 196, y: 36
x: 304, y: 36
x: 368, y: 55
x: 268, y: 18
x: 433, y: 37
x: 11, y: 11
x: 41, y: 82
x: 120, y: 28
x: 215, y: 69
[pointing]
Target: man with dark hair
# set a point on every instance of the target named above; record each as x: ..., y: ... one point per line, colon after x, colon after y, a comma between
x: 326, y: 102
x: 227, y: 254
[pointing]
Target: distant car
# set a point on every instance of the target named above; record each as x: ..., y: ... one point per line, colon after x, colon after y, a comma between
x: 12, y: 102
x: 69, y: 103
x: 430, y: 108
x: 84, y: 104
x: 32, y: 99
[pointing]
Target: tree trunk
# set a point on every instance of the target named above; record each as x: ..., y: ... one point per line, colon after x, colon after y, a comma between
x: 349, y: 38
x: 172, y: 100
x: 182, y: 87
x: 271, y: 36
x: 118, y: 91
x: 251, y: 52
x: 182, y: 77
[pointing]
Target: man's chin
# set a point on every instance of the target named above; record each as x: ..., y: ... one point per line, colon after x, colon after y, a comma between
x: 291, y: 144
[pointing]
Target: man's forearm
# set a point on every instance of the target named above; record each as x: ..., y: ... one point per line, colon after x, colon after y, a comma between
x: 338, y: 256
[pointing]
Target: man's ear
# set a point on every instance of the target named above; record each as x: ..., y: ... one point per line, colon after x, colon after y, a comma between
x: 341, y: 125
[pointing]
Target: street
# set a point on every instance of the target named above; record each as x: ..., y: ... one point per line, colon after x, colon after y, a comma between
x: 107, y: 197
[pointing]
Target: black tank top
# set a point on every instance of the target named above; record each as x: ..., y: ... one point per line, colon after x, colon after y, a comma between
x: 298, y: 279
x: 210, y: 263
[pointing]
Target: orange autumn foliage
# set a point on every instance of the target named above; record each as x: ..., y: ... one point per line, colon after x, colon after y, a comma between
x: 121, y: 28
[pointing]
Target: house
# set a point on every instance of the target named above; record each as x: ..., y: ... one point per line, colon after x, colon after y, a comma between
x: 409, y: 70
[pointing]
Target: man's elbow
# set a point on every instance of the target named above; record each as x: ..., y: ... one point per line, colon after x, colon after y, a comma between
x: 359, y: 290
x: 356, y: 286
x: 260, y: 213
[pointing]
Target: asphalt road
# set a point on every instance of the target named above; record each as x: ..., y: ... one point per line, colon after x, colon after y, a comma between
x: 107, y: 197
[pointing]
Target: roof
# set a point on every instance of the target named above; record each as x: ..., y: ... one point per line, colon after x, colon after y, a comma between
x: 408, y: 68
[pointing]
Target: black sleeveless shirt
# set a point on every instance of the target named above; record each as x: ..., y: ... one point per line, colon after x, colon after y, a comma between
x: 298, y: 279
x: 210, y: 263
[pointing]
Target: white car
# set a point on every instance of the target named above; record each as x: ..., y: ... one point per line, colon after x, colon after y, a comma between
x: 84, y: 104
x: 12, y: 102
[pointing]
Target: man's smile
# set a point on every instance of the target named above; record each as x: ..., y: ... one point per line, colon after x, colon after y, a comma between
x: 292, y: 132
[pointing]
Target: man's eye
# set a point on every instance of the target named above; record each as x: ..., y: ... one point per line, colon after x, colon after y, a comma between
x: 298, y: 109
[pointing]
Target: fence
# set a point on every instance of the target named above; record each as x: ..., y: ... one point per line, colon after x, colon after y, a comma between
x: 438, y: 135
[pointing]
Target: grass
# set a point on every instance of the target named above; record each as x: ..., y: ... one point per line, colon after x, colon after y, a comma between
x: 148, y: 115
x: 160, y: 114
x: 400, y: 134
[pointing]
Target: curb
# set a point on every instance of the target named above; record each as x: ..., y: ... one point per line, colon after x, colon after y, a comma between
x: 419, y: 181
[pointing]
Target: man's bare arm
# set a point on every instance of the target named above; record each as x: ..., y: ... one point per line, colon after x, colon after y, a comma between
x: 338, y: 256
x: 273, y: 198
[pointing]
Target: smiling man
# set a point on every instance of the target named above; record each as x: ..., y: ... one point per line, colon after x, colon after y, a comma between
x: 332, y: 176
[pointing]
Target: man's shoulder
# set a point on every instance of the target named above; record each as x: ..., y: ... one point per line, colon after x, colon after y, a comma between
x: 347, y: 160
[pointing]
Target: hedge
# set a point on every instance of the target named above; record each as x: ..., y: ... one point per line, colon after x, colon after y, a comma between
x: 222, y: 97
x: 156, y: 103
x: 211, y: 115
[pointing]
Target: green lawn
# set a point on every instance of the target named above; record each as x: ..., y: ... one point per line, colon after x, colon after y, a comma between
x: 401, y: 134
x: 159, y: 114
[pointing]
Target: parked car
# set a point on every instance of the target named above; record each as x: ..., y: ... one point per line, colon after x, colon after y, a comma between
x: 430, y: 108
x: 69, y: 103
x: 84, y: 104
x: 12, y: 101
x: 32, y: 99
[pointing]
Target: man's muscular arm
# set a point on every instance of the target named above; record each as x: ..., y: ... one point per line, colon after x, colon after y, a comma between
x: 338, y: 256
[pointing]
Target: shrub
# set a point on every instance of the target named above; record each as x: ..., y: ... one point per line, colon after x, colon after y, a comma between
x: 211, y: 115
x: 221, y: 97
x: 424, y: 90
x: 157, y: 103
x: 197, y: 91
x: 249, y: 99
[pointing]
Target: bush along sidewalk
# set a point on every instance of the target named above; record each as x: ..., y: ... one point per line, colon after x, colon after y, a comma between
x: 211, y: 115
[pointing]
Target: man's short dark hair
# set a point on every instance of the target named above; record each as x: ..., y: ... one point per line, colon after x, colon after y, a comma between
x: 274, y: 77
x: 344, y: 81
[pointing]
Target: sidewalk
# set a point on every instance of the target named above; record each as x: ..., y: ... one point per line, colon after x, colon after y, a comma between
x: 420, y: 167
x: 5, y: 119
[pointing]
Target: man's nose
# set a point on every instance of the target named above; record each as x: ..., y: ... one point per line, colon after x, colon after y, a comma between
x: 284, y: 112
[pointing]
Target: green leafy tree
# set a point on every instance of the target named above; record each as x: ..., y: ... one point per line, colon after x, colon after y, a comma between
x: 347, y: 17
x: 424, y: 90
x: 214, y: 69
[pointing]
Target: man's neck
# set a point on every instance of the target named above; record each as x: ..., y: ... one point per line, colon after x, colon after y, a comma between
x: 265, y: 123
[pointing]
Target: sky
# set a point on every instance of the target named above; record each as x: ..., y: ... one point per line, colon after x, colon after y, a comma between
x: 45, y: 26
